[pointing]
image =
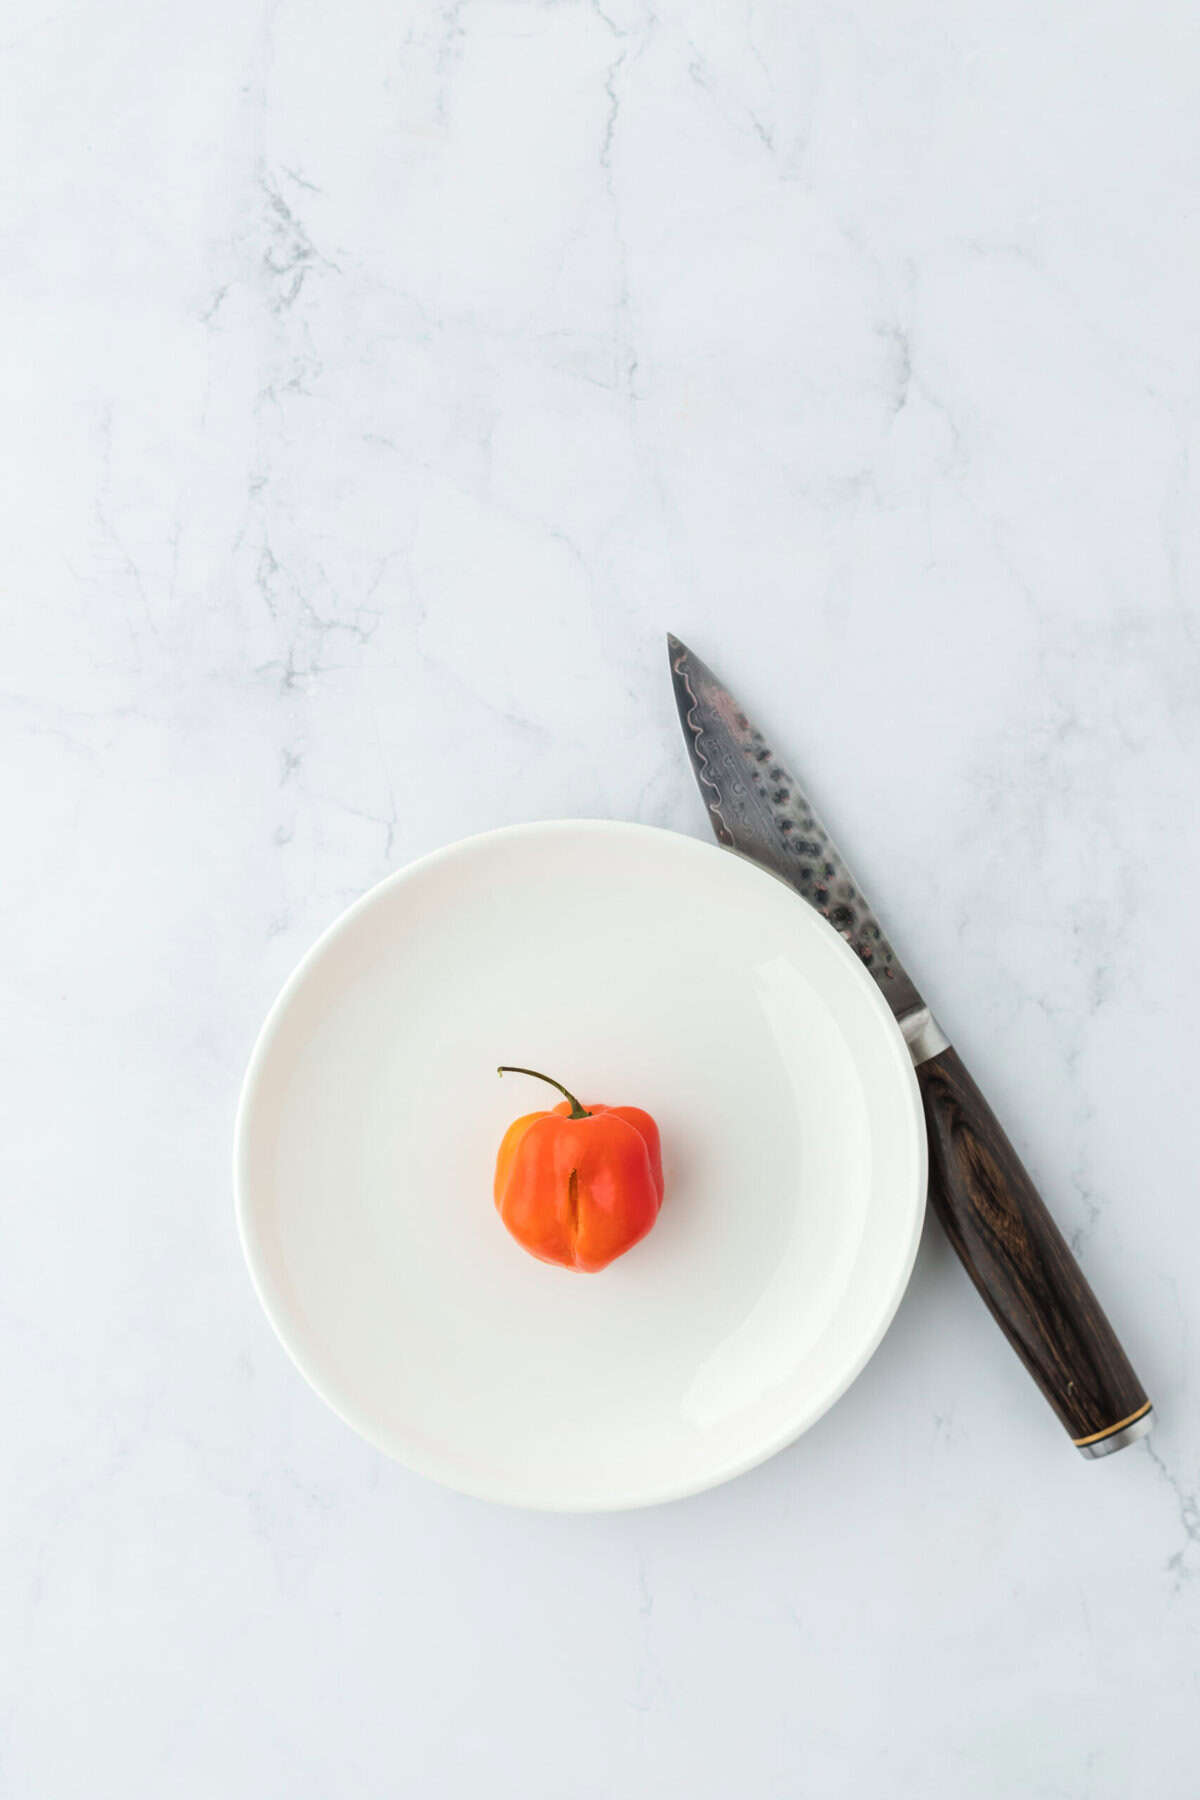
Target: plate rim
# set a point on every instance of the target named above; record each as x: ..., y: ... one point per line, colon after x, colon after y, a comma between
x: 512, y: 1494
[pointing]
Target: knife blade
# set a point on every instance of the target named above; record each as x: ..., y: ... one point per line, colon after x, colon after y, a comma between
x: 978, y: 1187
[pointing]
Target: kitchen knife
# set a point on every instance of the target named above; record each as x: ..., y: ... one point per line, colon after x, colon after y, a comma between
x: 993, y: 1214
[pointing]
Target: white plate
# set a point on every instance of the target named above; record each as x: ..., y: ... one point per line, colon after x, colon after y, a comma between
x: 639, y: 967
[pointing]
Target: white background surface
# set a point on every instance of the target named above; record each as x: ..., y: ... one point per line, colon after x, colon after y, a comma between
x: 380, y: 384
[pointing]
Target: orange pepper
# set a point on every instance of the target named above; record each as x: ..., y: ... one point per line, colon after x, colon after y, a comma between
x: 580, y: 1185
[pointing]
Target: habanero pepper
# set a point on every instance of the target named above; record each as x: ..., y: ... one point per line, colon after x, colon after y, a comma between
x: 580, y: 1185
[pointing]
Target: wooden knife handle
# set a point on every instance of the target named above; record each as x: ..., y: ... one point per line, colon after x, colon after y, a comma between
x: 1019, y: 1261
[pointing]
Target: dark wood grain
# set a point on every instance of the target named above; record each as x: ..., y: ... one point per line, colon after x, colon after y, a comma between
x: 1019, y: 1260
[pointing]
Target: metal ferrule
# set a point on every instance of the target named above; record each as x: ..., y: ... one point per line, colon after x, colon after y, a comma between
x: 923, y: 1035
x: 1117, y: 1440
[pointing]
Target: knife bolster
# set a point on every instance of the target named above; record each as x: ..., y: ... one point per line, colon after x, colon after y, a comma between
x: 923, y: 1035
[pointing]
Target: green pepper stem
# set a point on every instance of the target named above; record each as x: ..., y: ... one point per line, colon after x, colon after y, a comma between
x: 576, y: 1112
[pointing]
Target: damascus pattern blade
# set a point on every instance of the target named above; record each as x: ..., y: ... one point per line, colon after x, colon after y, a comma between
x: 757, y: 807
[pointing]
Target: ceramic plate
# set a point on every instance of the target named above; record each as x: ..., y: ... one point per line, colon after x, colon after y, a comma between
x: 639, y: 967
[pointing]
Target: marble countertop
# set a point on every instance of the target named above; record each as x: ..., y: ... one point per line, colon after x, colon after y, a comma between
x: 380, y: 385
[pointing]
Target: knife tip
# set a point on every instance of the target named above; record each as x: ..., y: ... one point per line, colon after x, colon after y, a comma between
x: 674, y: 646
